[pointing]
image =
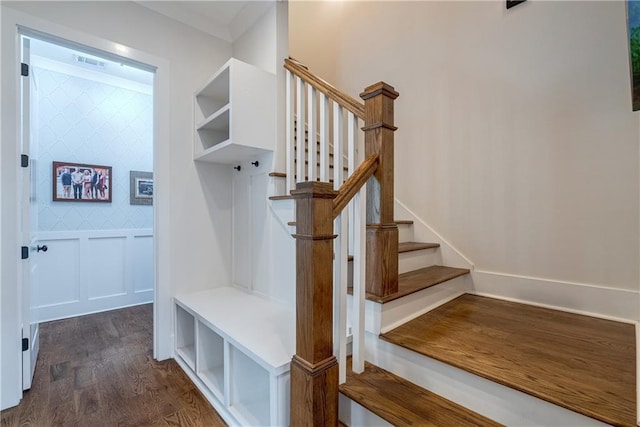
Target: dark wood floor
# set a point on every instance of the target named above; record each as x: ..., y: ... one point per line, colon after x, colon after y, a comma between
x: 98, y: 370
x: 584, y: 364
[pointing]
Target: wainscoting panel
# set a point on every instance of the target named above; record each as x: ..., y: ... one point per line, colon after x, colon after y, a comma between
x: 106, y: 262
x: 142, y: 263
x: 97, y: 270
x: 63, y: 257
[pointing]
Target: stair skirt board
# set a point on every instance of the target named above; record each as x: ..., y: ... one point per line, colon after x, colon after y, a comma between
x: 381, y: 318
x: 499, y: 403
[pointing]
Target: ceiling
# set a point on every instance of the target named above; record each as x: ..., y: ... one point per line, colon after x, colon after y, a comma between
x: 226, y: 20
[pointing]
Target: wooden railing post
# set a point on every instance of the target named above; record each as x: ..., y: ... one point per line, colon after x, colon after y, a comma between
x: 314, y: 368
x: 382, y: 231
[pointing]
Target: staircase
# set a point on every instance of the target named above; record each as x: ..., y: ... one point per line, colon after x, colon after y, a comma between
x: 425, y: 350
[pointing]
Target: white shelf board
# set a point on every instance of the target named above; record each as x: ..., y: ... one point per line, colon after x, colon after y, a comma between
x: 227, y: 152
x: 261, y: 329
x: 214, y: 380
x: 188, y: 354
x: 217, y: 121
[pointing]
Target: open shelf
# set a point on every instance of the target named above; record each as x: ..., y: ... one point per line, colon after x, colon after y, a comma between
x: 185, y: 336
x: 235, y: 108
x: 211, y: 359
x: 214, y: 94
x: 250, y: 385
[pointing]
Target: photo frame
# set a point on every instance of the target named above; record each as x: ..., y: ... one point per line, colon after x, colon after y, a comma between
x: 140, y: 188
x: 81, y: 182
x: 633, y: 33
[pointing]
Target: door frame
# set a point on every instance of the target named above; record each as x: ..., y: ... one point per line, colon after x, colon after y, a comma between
x: 10, y: 268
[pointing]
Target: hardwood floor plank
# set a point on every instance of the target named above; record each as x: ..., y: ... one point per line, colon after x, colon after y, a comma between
x: 98, y: 370
x: 581, y: 363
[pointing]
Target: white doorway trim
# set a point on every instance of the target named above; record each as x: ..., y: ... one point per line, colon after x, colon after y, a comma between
x: 10, y: 309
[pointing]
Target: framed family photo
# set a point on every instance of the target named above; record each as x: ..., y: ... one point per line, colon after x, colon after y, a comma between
x: 79, y: 182
x: 140, y: 188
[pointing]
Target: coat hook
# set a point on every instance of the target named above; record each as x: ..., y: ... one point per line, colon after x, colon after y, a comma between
x: 237, y: 168
x: 256, y: 163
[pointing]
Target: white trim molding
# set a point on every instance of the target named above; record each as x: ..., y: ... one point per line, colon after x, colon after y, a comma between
x: 591, y: 300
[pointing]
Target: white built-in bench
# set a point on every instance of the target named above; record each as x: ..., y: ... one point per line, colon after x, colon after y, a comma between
x: 236, y: 347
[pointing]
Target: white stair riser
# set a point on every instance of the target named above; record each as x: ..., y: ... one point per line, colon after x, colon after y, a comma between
x: 414, y: 260
x: 397, y: 312
x: 405, y: 233
x: 502, y: 404
x: 355, y: 415
x: 381, y: 318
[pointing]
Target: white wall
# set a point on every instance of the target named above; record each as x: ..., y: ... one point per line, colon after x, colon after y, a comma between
x: 257, y: 45
x: 516, y: 138
x: 191, y: 224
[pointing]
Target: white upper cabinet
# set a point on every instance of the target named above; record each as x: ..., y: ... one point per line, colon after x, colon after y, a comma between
x: 235, y: 114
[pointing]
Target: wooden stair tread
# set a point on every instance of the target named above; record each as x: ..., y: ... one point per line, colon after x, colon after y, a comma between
x: 415, y: 246
x: 278, y: 174
x: 581, y: 363
x: 293, y: 223
x: 403, y: 403
x: 404, y: 222
x: 283, y: 197
x: 417, y: 280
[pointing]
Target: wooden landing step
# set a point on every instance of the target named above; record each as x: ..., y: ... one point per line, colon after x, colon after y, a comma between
x: 403, y: 403
x: 417, y: 280
x: 581, y: 363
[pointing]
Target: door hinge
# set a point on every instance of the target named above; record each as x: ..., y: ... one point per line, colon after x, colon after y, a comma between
x: 25, y: 344
x: 25, y: 252
x: 24, y: 160
x: 24, y: 69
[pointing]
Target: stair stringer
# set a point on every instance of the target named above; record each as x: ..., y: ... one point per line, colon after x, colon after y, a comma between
x: 495, y: 401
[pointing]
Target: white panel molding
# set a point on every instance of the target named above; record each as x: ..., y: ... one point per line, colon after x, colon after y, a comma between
x: 118, y: 251
x: 424, y: 232
x: 592, y: 300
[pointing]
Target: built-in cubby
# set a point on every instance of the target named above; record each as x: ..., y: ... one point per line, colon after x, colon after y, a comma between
x: 237, y: 347
x: 210, y: 359
x: 185, y: 336
x: 249, y: 387
x: 234, y: 114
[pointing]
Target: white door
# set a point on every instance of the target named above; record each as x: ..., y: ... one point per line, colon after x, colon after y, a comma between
x: 30, y: 329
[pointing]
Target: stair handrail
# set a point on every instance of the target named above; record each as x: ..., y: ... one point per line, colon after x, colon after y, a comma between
x: 368, y: 191
x: 330, y: 91
x: 354, y: 183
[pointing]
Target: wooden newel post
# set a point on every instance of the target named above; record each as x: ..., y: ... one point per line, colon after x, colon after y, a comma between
x: 382, y: 231
x: 314, y: 368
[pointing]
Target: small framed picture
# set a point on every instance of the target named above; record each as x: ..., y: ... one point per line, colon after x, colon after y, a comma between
x: 141, y: 188
x: 79, y: 182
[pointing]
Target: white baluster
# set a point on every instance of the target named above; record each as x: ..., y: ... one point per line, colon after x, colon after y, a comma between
x: 337, y: 146
x: 300, y: 127
x: 340, y: 295
x: 359, y: 262
x: 290, y: 124
x: 324, y: 138
x: 311, y: 119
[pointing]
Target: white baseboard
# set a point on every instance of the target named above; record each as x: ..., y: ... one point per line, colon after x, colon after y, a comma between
x: 591, y: 300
